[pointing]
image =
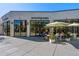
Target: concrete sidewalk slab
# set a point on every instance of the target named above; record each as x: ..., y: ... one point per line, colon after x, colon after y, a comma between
x: 12, y: 46
x: 44, y: 49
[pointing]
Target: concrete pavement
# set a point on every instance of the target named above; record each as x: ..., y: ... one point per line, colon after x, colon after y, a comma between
x: 11, y: 46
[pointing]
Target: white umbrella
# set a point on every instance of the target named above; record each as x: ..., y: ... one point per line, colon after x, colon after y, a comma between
x: 74, y: 25
x: 57, y: 24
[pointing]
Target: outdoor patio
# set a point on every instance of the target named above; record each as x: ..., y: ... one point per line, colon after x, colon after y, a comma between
x: 10, y: 46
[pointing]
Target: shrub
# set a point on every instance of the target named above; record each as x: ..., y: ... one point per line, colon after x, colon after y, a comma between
x: 52, y: 36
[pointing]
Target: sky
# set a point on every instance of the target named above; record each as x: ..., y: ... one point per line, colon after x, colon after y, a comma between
x: 6, y: 7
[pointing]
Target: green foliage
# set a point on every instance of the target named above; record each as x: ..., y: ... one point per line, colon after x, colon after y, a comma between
x: 52, y: 36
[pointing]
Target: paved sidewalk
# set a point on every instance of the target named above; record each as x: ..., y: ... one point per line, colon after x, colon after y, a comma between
x: 10, y: 46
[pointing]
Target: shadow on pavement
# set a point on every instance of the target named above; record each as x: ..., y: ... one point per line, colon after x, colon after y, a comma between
x: 62, y: 42
x: 34, y: 38
x: 75, y: 43
x: 1, y: 39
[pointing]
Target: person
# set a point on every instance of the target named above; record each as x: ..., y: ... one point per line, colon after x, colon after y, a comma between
x: 46, y: 34
x: 62, y: 35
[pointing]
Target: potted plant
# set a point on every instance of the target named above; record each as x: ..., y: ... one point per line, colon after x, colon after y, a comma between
x: 52, y: 37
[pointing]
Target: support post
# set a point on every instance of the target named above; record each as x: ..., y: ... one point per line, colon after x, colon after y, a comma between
x: 28, y: 28
x: 11, y: 27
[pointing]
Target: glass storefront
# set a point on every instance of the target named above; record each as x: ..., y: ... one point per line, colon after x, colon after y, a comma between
x: 20, y: 28
x: 37, y: 27
x: 6, y: 27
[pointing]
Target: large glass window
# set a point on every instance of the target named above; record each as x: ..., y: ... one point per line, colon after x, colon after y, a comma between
x: 6, y: 27
x: 37, y: 26
x: 20, y: 28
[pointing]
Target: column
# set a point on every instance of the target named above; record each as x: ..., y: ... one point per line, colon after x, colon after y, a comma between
x: 11, y: 27
x: 28, y: 28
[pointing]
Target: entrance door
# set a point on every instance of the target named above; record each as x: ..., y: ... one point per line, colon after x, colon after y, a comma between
x: 37, y: 27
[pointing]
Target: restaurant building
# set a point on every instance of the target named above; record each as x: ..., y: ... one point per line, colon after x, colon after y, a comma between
x: 31, y: 23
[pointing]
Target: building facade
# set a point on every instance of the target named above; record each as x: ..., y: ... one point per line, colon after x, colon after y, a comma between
x: 31, y: 23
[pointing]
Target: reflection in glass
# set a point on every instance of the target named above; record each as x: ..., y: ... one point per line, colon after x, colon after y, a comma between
x: 6, y: 27
x: 20, y: 28
x: 37, y: 26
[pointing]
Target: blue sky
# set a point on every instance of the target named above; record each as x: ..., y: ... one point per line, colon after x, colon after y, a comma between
x: 6, y: 7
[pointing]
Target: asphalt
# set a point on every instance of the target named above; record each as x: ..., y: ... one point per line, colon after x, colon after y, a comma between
x: 36, y: 46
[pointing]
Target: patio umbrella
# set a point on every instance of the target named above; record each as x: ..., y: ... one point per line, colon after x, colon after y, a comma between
x: 74, y: 25
x: 57, y: 24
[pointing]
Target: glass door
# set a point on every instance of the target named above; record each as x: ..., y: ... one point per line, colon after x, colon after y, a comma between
x: 23, y: 28
x: 17, y: 28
